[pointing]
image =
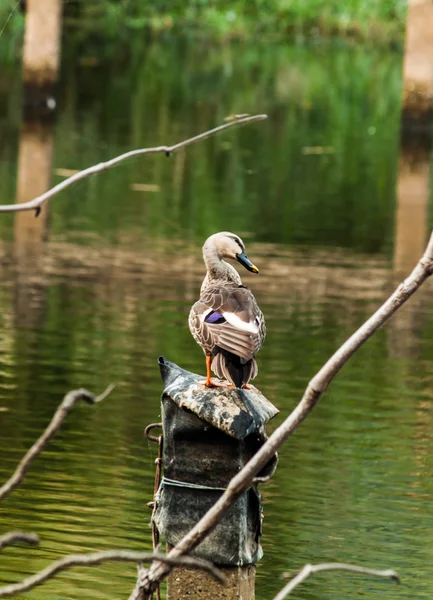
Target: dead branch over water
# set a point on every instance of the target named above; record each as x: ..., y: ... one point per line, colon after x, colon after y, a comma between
x: 97, y: 558
x: 163, y: 564
x: 36, y: 203
x: 308, y: 570
x: 241, y: 482
x: 75, y: 560
x: 245, y: 478
x: 59, y: 416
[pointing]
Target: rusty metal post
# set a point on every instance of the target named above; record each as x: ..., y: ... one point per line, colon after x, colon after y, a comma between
x: 209, y: 435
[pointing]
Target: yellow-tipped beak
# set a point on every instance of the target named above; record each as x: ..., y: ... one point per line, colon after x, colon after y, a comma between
x: 245, y: 262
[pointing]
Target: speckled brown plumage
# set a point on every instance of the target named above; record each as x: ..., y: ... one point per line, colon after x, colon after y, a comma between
x: 226, y: 321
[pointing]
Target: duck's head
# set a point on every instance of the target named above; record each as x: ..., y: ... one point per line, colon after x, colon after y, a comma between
x: 230, y: 245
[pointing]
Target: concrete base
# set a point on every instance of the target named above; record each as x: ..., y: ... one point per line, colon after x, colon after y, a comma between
x: 192, y: 584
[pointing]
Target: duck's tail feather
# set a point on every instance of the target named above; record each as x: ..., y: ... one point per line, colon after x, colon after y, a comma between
x: 229, y: 366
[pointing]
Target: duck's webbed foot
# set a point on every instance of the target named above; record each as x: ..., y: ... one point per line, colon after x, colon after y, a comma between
x: 212, y: 384
x: 208, y: 382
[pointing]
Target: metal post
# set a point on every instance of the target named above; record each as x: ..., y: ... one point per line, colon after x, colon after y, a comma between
x: 209, y: 434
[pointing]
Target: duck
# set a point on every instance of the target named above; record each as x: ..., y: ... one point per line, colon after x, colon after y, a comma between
x: 226, y: 321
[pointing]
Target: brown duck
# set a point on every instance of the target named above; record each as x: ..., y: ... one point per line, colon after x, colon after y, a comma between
x: 226, y: 321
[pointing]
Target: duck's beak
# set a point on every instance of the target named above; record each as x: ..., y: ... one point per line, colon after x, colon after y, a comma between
x: 245, y: 262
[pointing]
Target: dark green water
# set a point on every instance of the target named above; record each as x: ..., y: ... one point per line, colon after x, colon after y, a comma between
x: 122, y: 267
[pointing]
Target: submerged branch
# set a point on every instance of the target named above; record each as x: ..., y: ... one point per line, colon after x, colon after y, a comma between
x: 97, y: 558
x: 308, y: 570
x: 59, y: 416
x: 36, y: 203
x: 245, y: 478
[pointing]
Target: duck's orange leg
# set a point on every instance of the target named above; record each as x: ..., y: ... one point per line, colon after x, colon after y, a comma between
x: 209, y: 383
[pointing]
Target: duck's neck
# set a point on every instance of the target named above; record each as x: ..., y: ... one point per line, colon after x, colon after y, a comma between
x: 217, y: 268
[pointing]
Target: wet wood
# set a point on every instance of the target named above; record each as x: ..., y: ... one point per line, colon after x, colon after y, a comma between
x: 185, y: 584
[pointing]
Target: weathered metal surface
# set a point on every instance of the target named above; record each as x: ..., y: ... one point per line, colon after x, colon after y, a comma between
x: 197, y: 452
x: 236, y: 412
x: 209, y: 435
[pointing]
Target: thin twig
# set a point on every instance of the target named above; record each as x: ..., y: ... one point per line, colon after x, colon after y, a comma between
x: 245, y: 478
x: 13, y: 537
x: 59, y: 416
x: 97, y: 558
x: 36, y: 203
x: 308, y: 570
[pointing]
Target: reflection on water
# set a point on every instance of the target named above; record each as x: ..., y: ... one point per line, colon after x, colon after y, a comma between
x: 411, y: 234
x: 34, y: 178
x: 123, y: 265
x: 413, y: 196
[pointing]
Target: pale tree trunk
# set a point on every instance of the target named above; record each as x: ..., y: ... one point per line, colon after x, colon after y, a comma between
x: 418, y: 58
x: 42, y: 42
x: 413, y: 195
x: 34, y: 178
x: 413, y: 185
x: 411, y: 228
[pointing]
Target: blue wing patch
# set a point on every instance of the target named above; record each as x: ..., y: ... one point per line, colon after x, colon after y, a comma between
x: 214, y: 318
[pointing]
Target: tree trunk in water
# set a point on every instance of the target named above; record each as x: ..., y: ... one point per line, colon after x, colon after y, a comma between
x: 34, y: 178
x: 418, y: 61
x: 41, y: 50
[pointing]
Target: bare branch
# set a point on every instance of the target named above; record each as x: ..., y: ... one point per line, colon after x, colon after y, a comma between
x: 36, y: 203
x: 59, y: 416
x: 97, y: 558
x: 308, y: 570
x: 13, y: 537
x: 245, y: 478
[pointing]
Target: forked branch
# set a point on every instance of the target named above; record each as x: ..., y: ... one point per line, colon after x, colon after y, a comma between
x: 36, y: 203
x: 245, y: 478
x: 59, y: 416
x: 308, y: 570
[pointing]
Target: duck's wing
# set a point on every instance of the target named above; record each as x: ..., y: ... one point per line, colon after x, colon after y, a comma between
x: 231, y: 319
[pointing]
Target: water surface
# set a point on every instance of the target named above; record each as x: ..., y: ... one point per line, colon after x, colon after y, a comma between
x: 313, y: 193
